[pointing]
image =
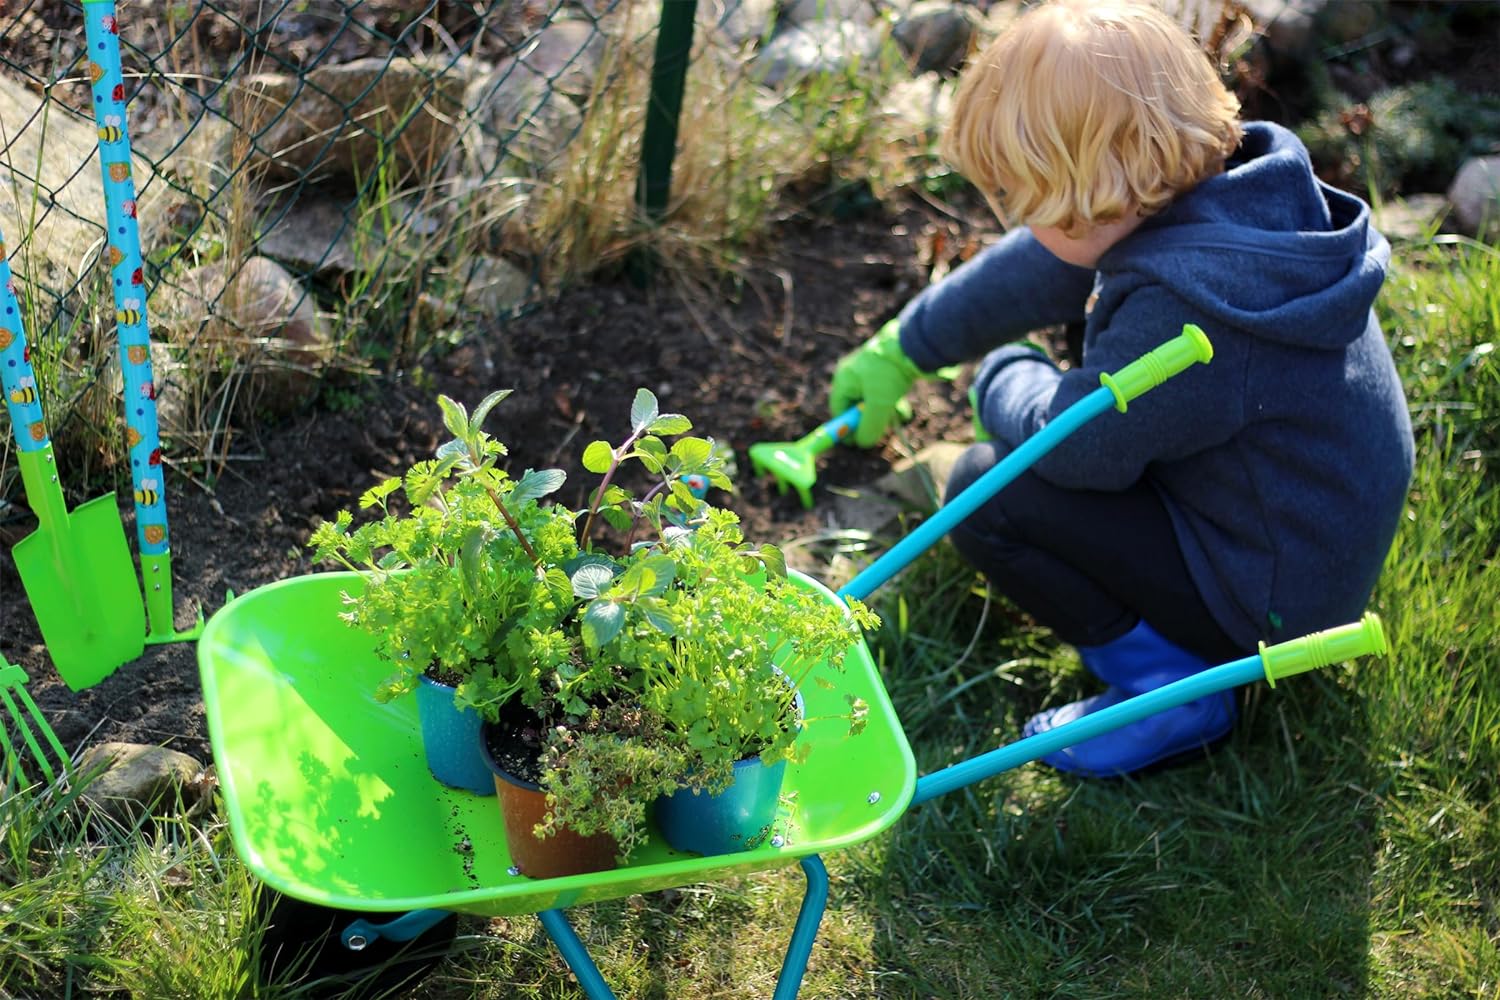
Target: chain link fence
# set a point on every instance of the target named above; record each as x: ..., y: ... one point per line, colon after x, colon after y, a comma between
x: 320, y: 185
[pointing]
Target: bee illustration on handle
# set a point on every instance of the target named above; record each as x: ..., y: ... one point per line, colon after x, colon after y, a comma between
x: 129, y: 313
x: 148, y: 494
x: 110, y: 131
x: 25, y: 391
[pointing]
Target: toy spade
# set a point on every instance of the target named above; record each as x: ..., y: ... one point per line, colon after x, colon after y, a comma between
x: 132, y: 326
x: 76, y: 566
x: 793, y: 463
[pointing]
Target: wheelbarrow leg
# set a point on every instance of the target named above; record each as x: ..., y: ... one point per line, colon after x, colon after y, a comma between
x: 814, y: 902
x: 575, y: 954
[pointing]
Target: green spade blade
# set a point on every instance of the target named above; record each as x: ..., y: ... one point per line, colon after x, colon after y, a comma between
x: 80, y: 578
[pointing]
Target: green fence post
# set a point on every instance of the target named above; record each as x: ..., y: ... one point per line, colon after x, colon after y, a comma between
x: 674, y: 44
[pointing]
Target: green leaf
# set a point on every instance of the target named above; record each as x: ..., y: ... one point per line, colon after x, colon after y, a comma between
x: 598, y: 456
x: 591, y: 580
x: 375, y: 494
x: 476, y: 420
x: 692, y: 453
x: 469, y: 557
x: 602, y: 621
x: 686, y: 502
x: 643, y: 410
x: 535, y: 484
x: 561, y: 587
x: 616, y: 518
x: 651, y: 452
x: 455, y: 417
x: 670, y: 423
x: 774, y: 560
x: 649, y: 576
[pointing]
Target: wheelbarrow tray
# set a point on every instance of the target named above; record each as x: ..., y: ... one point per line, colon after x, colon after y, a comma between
x: 330, y: 799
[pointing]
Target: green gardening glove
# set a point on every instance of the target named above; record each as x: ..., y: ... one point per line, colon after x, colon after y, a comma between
x: 878, y: 374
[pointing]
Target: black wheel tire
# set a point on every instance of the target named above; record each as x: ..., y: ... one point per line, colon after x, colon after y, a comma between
x: 301, y: 944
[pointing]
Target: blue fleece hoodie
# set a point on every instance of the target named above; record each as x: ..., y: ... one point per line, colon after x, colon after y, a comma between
x: 1285, y: 461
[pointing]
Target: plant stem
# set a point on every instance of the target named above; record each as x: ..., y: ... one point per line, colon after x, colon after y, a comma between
x: 514, y: 527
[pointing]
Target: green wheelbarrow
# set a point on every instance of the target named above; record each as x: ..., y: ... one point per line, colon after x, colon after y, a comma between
x: 330, y: 801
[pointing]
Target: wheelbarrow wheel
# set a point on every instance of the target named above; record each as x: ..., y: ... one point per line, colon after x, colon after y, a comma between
x: 300, y: 945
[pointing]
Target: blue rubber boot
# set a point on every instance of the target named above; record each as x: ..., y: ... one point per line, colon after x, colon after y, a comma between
x: 1141, y: 660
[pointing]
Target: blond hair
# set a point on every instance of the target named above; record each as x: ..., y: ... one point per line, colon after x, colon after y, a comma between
x: 1083, y: 111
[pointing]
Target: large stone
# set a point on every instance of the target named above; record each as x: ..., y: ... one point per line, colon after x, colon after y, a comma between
x: 49, y: 175
x: 341, y: 121
x: 137, y: 780
x: 1475, y: 194
x: 737, y: 22
x: 518, y: 122
x: 936, y: 36
x: 803, y: 12
x: 815, y: 48
x: 260, y: 322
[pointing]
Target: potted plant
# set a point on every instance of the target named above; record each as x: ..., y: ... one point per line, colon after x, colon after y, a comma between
x: 586, y: 640
x: 447, y: 581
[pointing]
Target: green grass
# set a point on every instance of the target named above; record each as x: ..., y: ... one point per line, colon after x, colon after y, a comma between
x: 1344, y: 843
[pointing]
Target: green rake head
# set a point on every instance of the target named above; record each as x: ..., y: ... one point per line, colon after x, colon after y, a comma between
x: 26, y: 720
x: 793, y: 463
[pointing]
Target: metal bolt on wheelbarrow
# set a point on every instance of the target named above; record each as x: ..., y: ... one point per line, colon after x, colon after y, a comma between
x: 323, y: 786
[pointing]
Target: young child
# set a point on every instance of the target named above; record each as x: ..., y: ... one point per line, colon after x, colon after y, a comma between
x: 1252, y: 498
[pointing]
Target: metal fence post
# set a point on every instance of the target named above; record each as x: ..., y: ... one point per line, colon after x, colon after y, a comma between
x: 674, y: 44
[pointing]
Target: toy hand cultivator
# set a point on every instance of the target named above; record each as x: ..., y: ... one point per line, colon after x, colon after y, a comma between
x: 324, y: 786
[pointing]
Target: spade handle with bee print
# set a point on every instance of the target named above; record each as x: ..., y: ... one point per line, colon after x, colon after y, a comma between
x: 122, y: 249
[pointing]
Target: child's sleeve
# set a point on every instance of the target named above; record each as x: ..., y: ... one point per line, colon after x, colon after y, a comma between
x: 1001, y: 294
x: 1019, y: 391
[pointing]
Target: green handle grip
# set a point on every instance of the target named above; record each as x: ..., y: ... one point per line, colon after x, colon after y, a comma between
x: 1319, y: 649
x: 1155, y: 367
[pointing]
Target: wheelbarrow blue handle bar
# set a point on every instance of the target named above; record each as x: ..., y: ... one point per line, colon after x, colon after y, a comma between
x: 930, y: 531
x: 1210, y: 681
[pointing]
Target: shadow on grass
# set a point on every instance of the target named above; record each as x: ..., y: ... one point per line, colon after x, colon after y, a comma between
x: 1243, y: 873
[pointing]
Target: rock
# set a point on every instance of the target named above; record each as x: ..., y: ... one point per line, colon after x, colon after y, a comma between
x: 49, y: 155
x: 1475, y: 194
x: 568, y: 54
x: 796, y: 13
x: 313, y: 236
x: 263, y: 323
x: 339, y: 119
x: 519, y: 122
x: 737, y: 22
x: 1410, y: 218
x: 814, y: 48
x: 138, y: 780
x: 936, y: 36
x: 489, y: 286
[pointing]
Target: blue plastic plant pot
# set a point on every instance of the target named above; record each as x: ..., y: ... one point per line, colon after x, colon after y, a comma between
x: 739, y: 818
x: 450, y: 737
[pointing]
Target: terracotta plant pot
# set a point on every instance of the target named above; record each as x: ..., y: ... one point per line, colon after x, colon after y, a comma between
x: 450, y: 738
x: 523, y: 805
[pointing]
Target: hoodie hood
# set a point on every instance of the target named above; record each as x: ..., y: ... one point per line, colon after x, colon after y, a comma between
x: 1316, y: 261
